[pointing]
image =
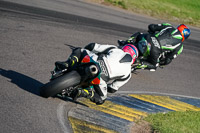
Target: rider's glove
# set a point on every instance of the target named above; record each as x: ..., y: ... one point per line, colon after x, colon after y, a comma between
x: 121, y: 42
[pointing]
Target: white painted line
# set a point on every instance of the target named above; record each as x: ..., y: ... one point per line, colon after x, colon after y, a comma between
x: 61, y: 117
x: 158, y: 93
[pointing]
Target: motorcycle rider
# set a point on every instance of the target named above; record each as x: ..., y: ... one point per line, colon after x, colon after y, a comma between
x: 115, y: 63
x: 160, y: 46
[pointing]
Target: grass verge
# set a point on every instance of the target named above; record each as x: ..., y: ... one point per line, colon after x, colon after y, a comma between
x: 175, y: 122
x: 180, y: 11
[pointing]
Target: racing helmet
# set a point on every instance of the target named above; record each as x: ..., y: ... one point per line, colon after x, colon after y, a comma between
x: 132, y: 50
x: 144, y: 47
x: 185, y: 31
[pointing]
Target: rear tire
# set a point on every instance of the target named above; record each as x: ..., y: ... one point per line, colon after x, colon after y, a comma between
x: 57, y: 85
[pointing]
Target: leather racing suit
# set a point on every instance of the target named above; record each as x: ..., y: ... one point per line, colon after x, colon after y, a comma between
x: 165, y: 44
x: 115, y: 65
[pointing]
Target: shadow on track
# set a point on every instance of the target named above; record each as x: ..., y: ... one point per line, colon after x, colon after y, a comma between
x: 27, y: 83
x: 24, y: 82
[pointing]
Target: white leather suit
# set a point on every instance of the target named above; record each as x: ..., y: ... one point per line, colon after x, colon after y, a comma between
x: 115, y: 65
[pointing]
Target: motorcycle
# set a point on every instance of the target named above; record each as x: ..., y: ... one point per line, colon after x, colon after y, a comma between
x: 64, y: 82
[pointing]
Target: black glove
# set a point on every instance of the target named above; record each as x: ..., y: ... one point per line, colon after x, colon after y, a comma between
x: 121, y: 42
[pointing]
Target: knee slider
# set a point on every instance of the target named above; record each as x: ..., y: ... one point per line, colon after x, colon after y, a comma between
x: 111, y: 90
x: 96, y: 98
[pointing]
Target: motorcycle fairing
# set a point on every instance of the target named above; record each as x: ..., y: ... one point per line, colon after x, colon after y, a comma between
x: 87, y: 59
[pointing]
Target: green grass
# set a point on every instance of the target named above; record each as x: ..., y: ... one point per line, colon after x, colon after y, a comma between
x: 181, y: 11
x: 120, y: 3
x: 175, y: 122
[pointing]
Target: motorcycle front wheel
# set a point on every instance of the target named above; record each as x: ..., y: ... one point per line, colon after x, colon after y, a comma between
x: 56, y: 86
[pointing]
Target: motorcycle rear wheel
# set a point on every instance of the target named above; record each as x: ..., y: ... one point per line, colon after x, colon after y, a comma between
x: 56, y: 86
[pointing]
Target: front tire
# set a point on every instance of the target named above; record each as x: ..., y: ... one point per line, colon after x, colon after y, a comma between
x: 57, y: 85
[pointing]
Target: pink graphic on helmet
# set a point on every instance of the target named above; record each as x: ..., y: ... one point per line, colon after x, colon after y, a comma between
x: 132, y: 50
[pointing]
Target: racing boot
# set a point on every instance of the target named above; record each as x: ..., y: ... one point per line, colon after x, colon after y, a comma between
x: 66, y: 64
x: 81, y: 93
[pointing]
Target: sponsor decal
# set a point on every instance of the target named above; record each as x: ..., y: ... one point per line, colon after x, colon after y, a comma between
x: 155, y: 41
x: 103, y: 67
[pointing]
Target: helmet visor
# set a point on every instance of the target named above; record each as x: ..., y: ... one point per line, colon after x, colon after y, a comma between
x: 142, y: 46
x: 186, y: 33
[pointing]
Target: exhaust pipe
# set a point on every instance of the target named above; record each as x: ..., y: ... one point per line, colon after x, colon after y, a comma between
x: 93, y: 70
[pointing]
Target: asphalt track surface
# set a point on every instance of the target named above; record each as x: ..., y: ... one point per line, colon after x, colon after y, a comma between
x: 32, y: 38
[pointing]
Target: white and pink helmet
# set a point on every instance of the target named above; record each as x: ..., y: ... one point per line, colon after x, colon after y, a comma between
x: 132, y: 50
